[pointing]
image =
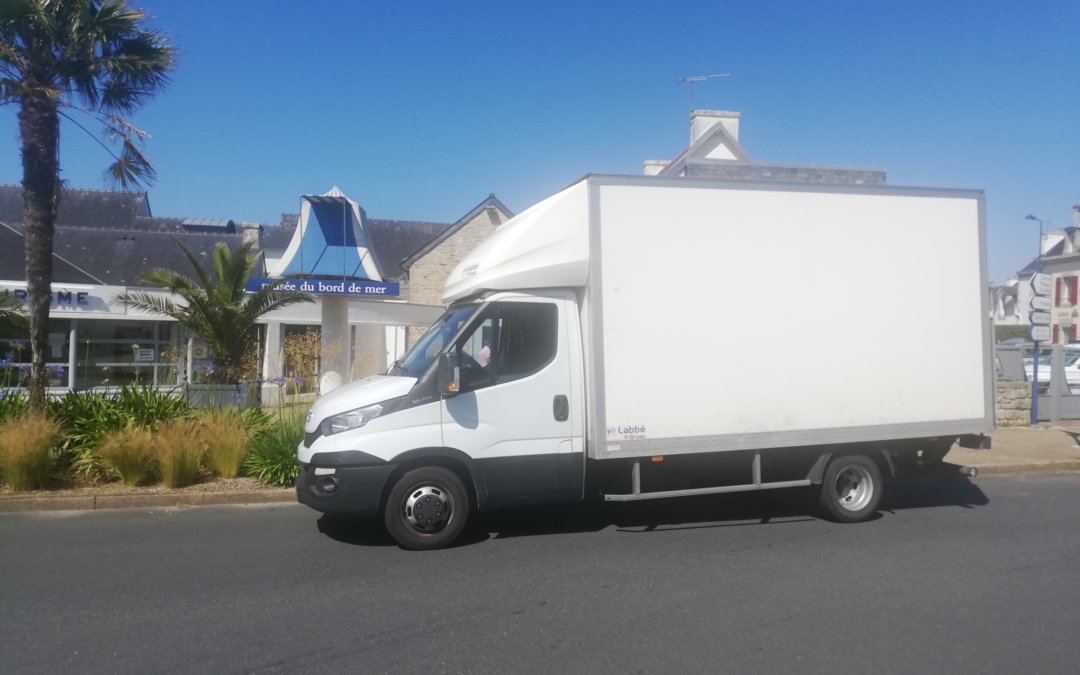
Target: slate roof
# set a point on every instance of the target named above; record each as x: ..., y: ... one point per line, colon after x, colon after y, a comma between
x: 117, y: 257
x: 111, y: 238
x: 492, y: 201
x: 13, y: 261
x: 396, y: 240
x: 82, y: 208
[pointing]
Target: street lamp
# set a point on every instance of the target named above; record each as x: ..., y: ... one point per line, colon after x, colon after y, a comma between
x: 1038, y: 253
x: 1035, y: 342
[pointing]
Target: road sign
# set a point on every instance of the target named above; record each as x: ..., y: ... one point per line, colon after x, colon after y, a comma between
x: 1040, y: 303
x: 1039, y: 318
x: 1042, y: 283
x: 1039, y: 333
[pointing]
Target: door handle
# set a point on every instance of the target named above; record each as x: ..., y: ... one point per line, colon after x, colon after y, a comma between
x: 561, y: 408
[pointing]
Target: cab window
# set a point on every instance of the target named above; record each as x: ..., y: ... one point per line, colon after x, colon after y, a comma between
x: 509, y: 342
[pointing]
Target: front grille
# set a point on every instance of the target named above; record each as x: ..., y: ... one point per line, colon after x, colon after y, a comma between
x: 309, y: 437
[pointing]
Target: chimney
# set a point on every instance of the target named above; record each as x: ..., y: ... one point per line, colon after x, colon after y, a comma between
x: 703, y: 120
x: 653, y: 167
x: 250, y: 232
x: 1076, y: 216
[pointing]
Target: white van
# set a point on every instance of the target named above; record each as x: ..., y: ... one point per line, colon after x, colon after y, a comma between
x: 609, y: 341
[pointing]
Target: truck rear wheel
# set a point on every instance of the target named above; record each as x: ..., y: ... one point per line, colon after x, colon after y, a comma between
x: 426, y: 509
x: 851, y: 489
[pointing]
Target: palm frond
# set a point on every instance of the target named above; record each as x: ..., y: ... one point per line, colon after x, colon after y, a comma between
x: 149, y: 302
x: 131, y: 169
x: 11, y: 309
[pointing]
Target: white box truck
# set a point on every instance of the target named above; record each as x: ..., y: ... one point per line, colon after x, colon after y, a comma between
x: 648, y: 337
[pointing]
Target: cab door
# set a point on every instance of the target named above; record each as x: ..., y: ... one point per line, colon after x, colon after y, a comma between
x: 512, y: 415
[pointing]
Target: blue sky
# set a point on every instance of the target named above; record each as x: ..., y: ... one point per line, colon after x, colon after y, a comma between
x: 419, y: 110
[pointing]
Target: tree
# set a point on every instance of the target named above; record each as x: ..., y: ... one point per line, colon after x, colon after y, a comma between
x: 216, y: 305
x: 54, y: 54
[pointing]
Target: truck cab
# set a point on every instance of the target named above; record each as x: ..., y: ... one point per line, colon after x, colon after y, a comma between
x: 486, y: 409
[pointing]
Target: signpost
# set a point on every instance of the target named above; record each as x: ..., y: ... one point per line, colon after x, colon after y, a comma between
x: 1039, y: 315
x: 1040, y: 303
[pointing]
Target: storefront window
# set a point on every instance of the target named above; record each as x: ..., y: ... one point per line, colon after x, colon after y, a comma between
x: 118, y: 353
x: 301, y: 345
x: 15, y: 354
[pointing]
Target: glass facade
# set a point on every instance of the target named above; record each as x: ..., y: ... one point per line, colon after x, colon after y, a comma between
x: 117, y: 353
x: 15, y: 353
x: 106, y: 353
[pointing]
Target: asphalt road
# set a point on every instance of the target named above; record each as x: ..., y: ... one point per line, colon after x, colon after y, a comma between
x: 956, y: 577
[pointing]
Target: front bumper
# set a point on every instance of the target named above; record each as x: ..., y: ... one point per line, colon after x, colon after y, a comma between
x: 353, y: 490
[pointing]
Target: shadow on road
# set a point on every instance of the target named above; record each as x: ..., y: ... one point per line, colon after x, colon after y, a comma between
x: 779, y: 507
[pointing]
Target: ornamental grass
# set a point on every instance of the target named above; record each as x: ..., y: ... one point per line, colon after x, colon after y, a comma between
x: 225, y: 436
x: 27, y: 444
x: 178, y: 449
x: 129, y: 453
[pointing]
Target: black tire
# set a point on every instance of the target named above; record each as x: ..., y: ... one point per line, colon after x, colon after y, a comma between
x: 851, y: 489
x: 426, y: 509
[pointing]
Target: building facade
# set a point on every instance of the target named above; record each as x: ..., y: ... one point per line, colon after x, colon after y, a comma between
x: 1060, y: 258
x: 105, y: 241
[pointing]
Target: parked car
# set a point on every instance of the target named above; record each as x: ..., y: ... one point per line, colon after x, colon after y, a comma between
x: 1072, y: 367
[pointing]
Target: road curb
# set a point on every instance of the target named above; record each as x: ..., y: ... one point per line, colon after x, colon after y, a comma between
x: 18, y: 504
x: 1028, y: 469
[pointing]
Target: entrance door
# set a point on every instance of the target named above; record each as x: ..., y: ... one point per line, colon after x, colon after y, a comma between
x: 512, y: 415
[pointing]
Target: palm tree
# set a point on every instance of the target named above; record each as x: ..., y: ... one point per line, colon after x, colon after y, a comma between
x: 54, y: 53
x: 216, y: 305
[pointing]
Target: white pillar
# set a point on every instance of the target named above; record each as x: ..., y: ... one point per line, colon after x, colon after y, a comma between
x: 370, y: 356
x: 72, y: 354
x: 334, y: 363
x: 272, y: 365
x: 189, y: 359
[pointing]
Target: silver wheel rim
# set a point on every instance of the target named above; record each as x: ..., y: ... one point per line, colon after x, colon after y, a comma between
x: 428, y: 509
x: 854, y: 488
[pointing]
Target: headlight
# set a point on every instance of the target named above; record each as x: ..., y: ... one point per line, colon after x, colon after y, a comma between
x: 354, y: 419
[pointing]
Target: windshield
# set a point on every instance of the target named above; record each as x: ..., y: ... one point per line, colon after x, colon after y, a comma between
x: 420, y: 357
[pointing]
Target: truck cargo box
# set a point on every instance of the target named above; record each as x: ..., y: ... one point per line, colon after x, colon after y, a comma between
x: 733, y: 316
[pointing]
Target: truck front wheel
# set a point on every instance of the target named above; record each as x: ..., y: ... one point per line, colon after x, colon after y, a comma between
x: 426, y: 509
x: 851, y: 489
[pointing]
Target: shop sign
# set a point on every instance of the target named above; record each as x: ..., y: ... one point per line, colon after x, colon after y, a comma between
x: 68, y: 299
x: 332, y: 287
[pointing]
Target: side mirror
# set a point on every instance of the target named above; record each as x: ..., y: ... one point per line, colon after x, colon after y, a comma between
x: 449, y: 375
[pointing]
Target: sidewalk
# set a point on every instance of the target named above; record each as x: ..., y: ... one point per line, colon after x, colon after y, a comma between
x: 1016, y: 450
x: 1022, y: 450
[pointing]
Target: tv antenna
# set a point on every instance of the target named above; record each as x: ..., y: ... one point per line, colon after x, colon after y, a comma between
x: 694, y: 79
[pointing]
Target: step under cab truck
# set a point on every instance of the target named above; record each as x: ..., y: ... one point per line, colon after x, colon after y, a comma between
x: 647, y: 337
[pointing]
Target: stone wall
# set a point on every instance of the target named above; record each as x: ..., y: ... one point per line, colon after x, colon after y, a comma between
x: 1013, y: 403
x: 428, y: 274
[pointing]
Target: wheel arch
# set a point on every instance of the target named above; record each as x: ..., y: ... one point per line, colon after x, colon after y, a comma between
x: 448, y: 458
x: 878, y: 455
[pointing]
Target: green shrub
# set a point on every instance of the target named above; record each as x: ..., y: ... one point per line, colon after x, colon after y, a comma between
x: 225, y: 437
x: 178, y: 450
x: 129, y: 453
x: 87, y: 417
x: 148, y: 406
x: 271, y: 456
x: 26, y: 450
x: 13, y: 403
x: 257, y: 420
